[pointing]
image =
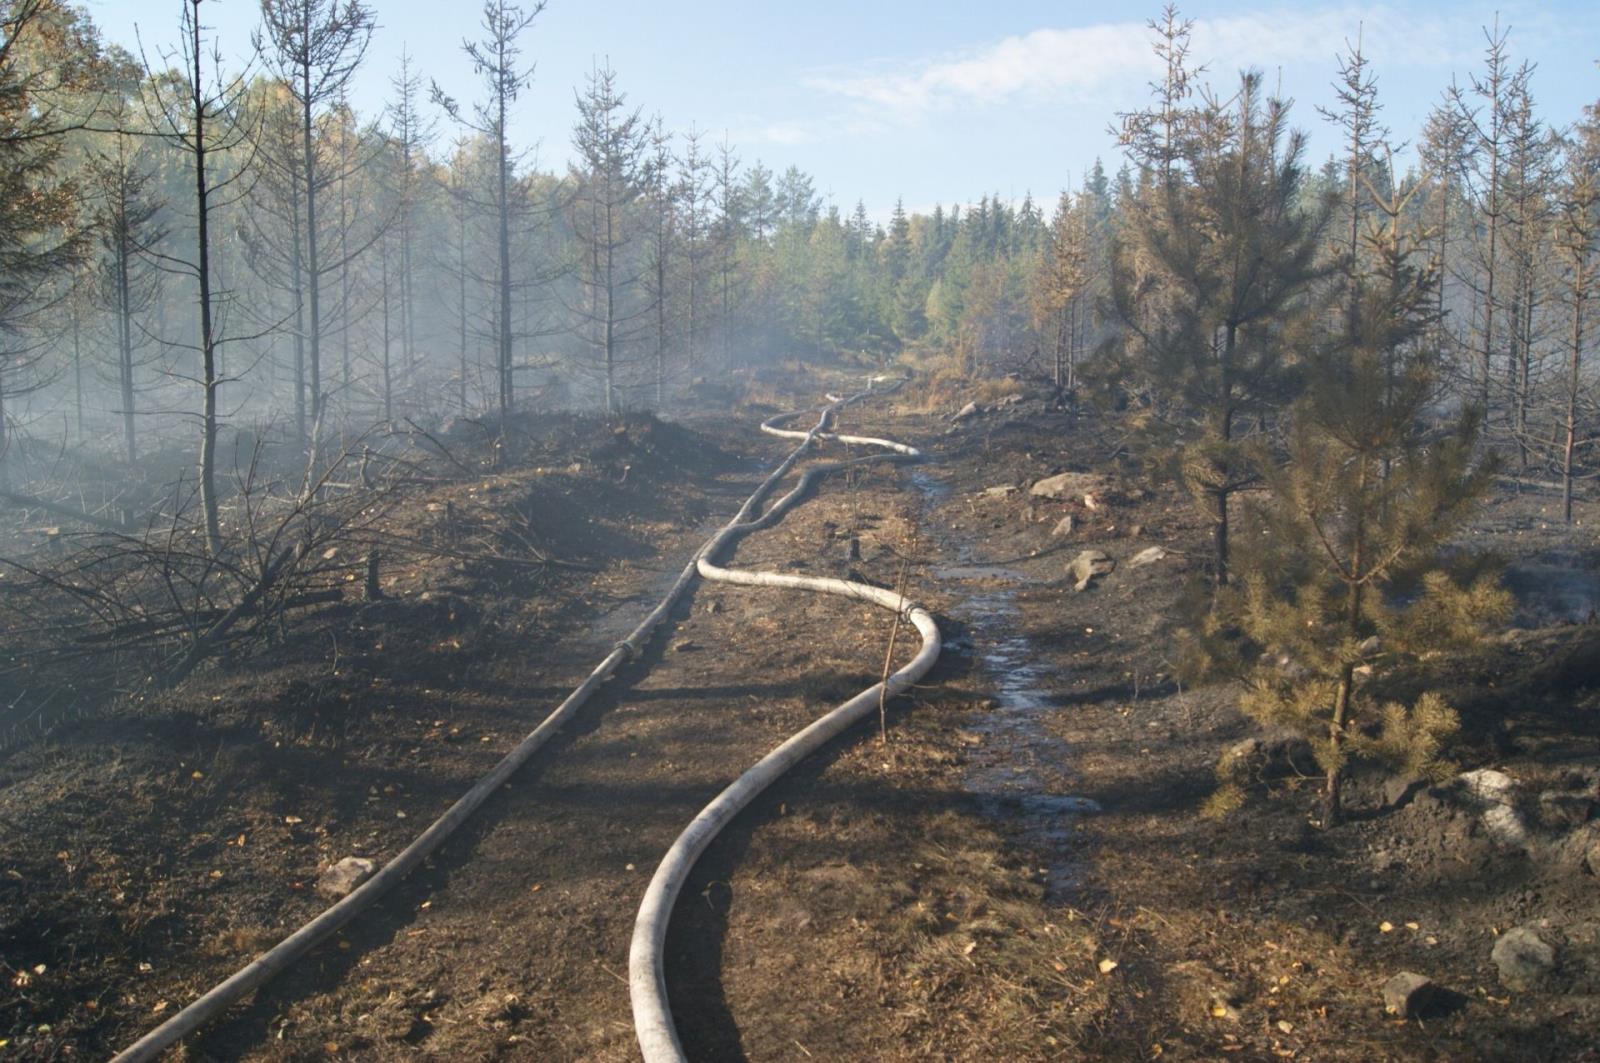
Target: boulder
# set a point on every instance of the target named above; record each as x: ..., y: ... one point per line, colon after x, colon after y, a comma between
x: 1505, y: 826
x: 1487, y: 786
x: 1066, y: 486
x: 343, y: 877
x: 1410, y: 995
x: 969, y: 410
x: 1087, y: 566
x: 1523, y: 957
x: 1148, y: 556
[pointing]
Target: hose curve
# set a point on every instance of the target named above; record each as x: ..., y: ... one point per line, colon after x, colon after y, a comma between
x: 285, y: 953
x: 658, y: 1037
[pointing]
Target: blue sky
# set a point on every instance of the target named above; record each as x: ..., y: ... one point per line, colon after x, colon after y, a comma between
x: 934, y: 100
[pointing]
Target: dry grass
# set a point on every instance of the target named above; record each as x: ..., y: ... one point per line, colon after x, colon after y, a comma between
x: 950, y: 387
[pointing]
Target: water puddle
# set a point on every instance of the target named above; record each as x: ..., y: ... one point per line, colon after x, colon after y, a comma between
x: 945, y: 573
x: 1018, y: 768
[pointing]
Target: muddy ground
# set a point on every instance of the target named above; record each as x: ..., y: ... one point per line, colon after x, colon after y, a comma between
x: 1021, y: 871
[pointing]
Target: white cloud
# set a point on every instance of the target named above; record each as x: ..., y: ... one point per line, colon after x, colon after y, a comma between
x: 1116, y: 57
x: 787, y: 134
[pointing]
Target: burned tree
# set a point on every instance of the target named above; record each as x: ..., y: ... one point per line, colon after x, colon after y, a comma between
x: 315, y: 47
x: 131, y: 232
x: 610, y: 180
x: 200, y: 118
x: 497, y: 60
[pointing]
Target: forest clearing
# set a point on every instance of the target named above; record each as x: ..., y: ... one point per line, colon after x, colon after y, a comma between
x: 456, y: 607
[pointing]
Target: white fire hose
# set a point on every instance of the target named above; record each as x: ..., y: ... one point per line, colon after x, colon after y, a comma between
x: 284, y: 954
x: 652, y: 1018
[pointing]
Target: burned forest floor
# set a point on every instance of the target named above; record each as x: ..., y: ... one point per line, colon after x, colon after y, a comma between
x: 1018, y: 866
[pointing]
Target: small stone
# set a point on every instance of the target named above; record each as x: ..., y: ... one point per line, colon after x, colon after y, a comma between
x: 1063, y: 527
x: 1087, y: 566
x: 1410, y: 995
x: 1273, y: 756
x: 343, y: 877
x: 1148, y: 556
x: 1523, y: 957
x: 1371, y: 647
x: 999, y: 492
x: 1400, y: 789
x: 969, y: 410
x: 714, y: 605
x: 685, y: 646
x: 1066, y: 486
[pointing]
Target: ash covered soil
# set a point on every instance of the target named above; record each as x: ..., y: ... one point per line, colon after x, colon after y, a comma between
x: 1021, y: 871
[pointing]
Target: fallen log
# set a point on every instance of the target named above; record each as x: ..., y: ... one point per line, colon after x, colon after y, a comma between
x: 19, y: 499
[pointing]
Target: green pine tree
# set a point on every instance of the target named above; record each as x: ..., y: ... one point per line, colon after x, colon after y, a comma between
x: 1366, y: 494
x: 1213, y: 275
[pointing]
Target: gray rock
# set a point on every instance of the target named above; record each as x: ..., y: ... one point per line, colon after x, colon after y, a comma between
x: 1371, y: 647
x: 1487, y: 786
x: 1087, y: 566
x: 1065, y: 486
x: 999, y: 492
x: 969, y: 410
x: 343, y: 877
x: 1147, y: 556
x: 1523, y: 957
x: 1410, y: 995
x: 1505, y: 826
x: 1399, y: 789
x: 1270, y: 756
x: 1063, y: 526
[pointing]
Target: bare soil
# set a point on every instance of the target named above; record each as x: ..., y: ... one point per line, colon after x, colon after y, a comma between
x: 932, y: 896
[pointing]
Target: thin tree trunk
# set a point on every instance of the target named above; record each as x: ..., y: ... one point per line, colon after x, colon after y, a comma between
x: 506, y: 381
x: 208, y: 347
x: 297, y: 279
x: 388, y: 373
x: 1574, y: 383
x: 1332, y: 808
x: 125, y: 346
x: 314, y: 276
x: 461, y: 297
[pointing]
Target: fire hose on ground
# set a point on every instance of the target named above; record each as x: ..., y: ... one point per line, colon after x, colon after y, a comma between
x: 652, y: 1017
x: 653, y: 998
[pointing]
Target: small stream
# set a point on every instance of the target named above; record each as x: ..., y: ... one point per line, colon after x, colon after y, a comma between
x: 1018, y: 769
